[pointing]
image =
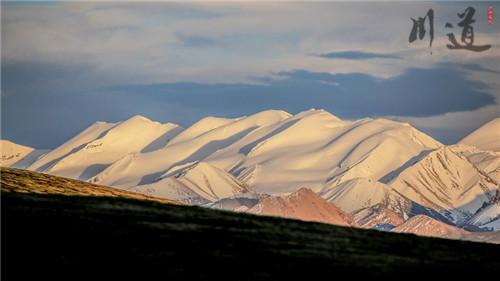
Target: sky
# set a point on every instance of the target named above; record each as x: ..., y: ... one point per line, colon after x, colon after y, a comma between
x: 66, y: 65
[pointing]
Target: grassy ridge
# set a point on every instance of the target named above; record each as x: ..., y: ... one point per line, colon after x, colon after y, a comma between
x: 60, y: 236
x: 24, y: 181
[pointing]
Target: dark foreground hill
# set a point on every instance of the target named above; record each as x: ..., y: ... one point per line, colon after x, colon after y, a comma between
x: 69, y: 237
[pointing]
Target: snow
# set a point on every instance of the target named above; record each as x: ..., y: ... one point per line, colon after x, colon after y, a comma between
x: 446, y: 182
x: 487, y: 161
x: 379, y: 170
x: 18, y: 156
x: 488, y: 217
x: 74, y: 144
x: 377, y: 217
x: 494, y: 225
x: 170, y: 188
x: 204, y: 125
x: 487, y: 137
x: 426, y: 226
x: 130, y: 171
x: 30, y: 158
x: 103, y: 144
x: 239, y: 203
x: 277, y: 153
x: 212, y: 182
x: 359, y: 193
x: 200, y: 183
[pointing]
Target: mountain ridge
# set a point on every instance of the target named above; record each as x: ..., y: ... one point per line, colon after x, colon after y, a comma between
x: 378, y: 169
x: 485, y: 137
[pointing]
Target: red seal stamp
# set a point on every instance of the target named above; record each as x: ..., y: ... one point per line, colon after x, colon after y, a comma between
x: 490, y: 15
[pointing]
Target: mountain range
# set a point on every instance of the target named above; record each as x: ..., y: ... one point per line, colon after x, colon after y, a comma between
x: 312, y: 166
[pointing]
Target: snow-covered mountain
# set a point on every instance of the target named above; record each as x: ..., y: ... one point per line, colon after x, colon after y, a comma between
x: 198, y: 183
x: 18, y: 156
x: 487, y: 161
x: 74, y: 144
x: 302, y: 204
x: 239, y: 203
x: 102, y: 144
x: 356, y: 194
x: 446, y: 182
x: 427, y: 226
x: 383, y: 173
x: 377, y: 217
x: 275, y: 153
x: 487, y: 217
x: 486, y: 137
x: 193, y: 145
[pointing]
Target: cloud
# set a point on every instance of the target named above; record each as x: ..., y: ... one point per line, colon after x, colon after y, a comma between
x: 195, y: 41
x: 417, y: 93
x: 66, y: 99
x: 58, y: 58
x: 357, y: 55
x: 146, y: 42
x: 478, y: 67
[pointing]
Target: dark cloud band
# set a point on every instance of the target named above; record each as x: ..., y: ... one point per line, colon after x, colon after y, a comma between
x: 357, y: 55
x: 63, y: 105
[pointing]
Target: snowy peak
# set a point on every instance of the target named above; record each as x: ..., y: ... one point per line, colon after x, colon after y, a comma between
x: 239, y: 203
x: 426, y: 226
x: 93, y: 132
x: 103, y: 143
x: 204, y: 125
x: 271, y: 151
x: 487, y: 217
x: 137, y: 119
x: 372, y: 148
x: 446, y: 182
x: 487, y: 161
x: 133, y: 134
x: 16, y: 155
x: 267, y: 117
x: 211, y: 182
x: 314, y: 147
x: 303, y: 204
x: 12, y: 152
x: 377, y: 217
x: 305, y: 128
x: 195, y: 145
x: 487, y: 137
x: 360, y: 193
x: 199, y: 183
x: 318, y: 113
